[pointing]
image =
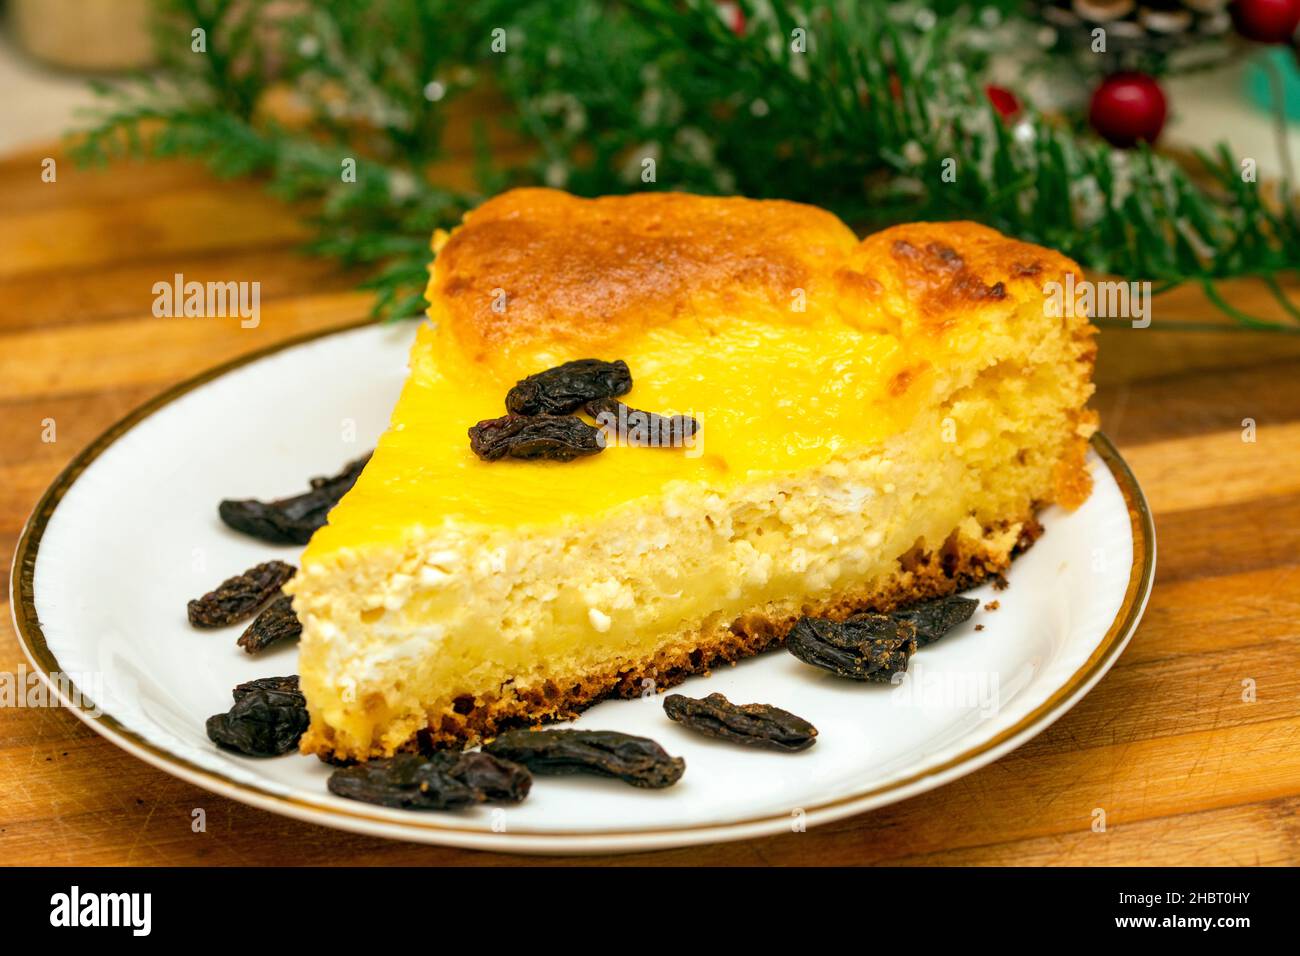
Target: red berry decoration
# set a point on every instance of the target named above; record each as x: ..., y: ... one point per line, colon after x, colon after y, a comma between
x: 1128, y: 108
x: 1003, y: 100
x: 1266, y: 21
x: 734, y: 15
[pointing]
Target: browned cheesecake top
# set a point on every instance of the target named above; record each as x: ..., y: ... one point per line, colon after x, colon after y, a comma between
x: 540, y: 265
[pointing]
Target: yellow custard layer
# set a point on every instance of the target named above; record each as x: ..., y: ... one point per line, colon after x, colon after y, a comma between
x: 770, y: 399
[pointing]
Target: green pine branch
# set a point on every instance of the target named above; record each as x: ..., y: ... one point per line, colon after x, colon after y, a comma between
x: 863, y: 120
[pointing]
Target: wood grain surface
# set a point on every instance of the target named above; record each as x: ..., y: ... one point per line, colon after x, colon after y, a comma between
x: 1187, y: 770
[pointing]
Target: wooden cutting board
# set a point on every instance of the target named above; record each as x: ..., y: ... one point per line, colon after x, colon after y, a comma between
x: 1187, y: 765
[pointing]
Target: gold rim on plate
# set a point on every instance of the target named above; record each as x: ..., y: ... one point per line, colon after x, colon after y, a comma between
x: 32, y: 639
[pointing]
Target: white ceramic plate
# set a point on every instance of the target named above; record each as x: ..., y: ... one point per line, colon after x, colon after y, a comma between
x: 130, y: 532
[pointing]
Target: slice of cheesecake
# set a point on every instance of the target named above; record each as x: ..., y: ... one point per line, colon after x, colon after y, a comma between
x: 879, y: 421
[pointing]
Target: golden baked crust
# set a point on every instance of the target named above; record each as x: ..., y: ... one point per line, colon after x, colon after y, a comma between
x: 619, y: 264
x: 931, y: 274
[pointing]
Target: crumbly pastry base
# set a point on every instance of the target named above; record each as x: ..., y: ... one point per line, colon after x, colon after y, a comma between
x: 961, y: 563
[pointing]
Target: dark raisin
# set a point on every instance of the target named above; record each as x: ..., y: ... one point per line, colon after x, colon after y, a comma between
x: 553, y: 437
x: 871, y: 647
x: 262, y: 723
x: 238, y: 597
x: 287, y: 685
x: 277, y: 622
x: 607, y: 753
x: 934, y: 619
x: 567, y: 387
x: 406, y: 781
x: 753, y: 725
x: 291, y: 520
x: 442, y: 781
x: 499, y: 781
x: 641, y: 429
